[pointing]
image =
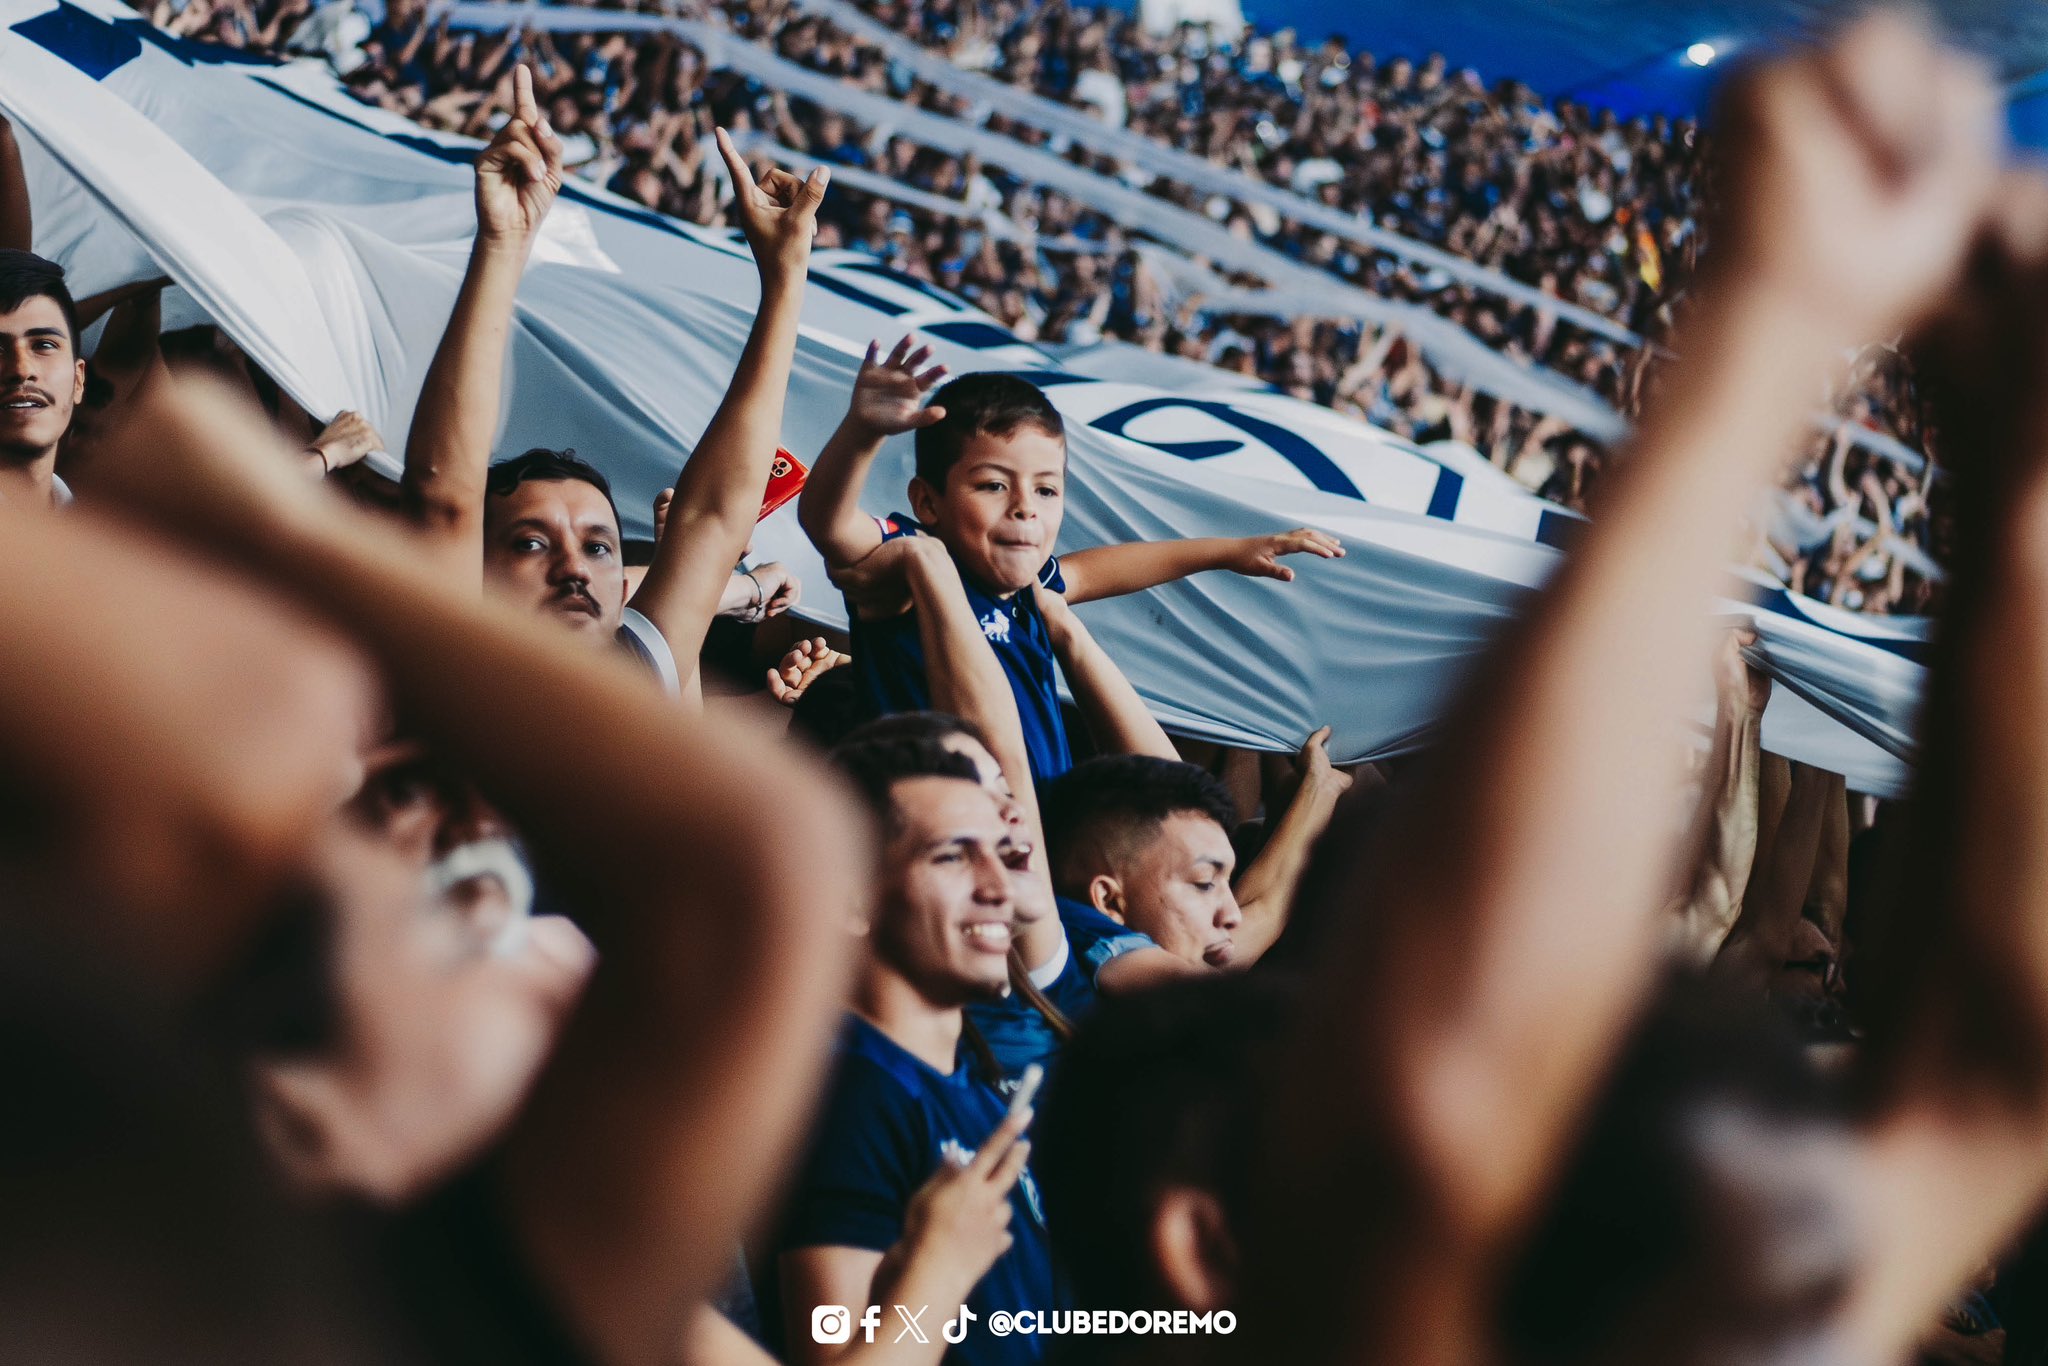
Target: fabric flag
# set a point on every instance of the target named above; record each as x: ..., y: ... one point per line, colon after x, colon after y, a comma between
x: 328, y: 239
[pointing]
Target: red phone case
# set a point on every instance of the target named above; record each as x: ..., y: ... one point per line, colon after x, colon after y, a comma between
x: 785, y: 481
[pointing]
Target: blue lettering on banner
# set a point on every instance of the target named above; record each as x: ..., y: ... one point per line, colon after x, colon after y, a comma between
x: 90, y: 43
x: 1443, y: 499
x: 1296, y: 450
x: 100, y: 47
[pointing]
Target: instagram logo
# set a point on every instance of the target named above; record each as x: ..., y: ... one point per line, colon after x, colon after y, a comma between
x: 830, y: 1323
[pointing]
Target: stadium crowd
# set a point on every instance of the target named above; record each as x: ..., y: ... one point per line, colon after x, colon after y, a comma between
x: 1598, y: 211
x: 411, y: 959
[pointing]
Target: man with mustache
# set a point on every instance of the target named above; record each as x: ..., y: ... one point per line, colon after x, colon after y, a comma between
x: 542, y: 527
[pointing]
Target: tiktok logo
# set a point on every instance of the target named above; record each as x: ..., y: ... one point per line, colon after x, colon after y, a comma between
x: 955, y: 1330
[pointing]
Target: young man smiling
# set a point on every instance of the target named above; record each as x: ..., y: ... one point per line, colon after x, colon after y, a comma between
x: 910, y: 1093
x: 42, y: 376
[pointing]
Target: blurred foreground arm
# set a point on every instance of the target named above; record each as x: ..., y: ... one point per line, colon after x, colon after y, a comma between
x: 687, y: 1072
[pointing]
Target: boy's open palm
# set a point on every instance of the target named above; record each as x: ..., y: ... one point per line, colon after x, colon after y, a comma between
x: 888, y: 395
x: 1259, y: 556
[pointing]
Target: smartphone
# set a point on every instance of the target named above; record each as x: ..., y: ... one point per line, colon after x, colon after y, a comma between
x: 785, y: 481
x: 1027, y: 1088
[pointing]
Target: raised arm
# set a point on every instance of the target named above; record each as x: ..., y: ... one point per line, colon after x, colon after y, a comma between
x: 1118, y: 719
x: 718, y: 495
x: 1959, y: 1028
x: 1461, y: 1029
x: 1111, y: 571
x: 448, y: 451
x: 1265, y: 894
x: 161, y: 810
x: 1776, y: 899
x: 17, y: 221
x: 886, y: 399
x: 670, y: 1105
x: 1725, y: 825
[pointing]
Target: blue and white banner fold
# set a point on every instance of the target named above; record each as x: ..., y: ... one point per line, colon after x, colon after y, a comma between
x: 328, y: 239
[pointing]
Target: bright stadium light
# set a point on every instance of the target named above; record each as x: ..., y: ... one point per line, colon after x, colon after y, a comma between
x: 1701, y: 54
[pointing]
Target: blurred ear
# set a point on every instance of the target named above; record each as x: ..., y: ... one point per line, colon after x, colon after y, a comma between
x: 1193, y: 1251
x: 924, y: 501
x: 78, y: 384
x: 1106, y: 895
x: 301, y: 1117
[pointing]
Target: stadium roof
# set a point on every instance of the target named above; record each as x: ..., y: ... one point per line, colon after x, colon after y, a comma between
x: 1632, y: 56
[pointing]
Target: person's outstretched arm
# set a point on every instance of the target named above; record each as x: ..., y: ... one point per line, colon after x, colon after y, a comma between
x: 678, y: 1088
x: 1460, y: 1030
x: 1111, y: 571
x: 448, y: 451
x: 1724, y: 834
x: 1958, y: 1153
x: 1118, y: 719
x: 1771, y: 910
x: 17, y: 217
x: 163, y: 810
x: 886, y: 398
x: 717, y: 497
x: 1265, y: 894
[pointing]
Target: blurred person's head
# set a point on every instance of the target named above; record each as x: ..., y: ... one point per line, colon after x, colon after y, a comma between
x: 944, y: 914
x: 1708, y: 1202
x: 1147, y: 841
x: 1144, y: 1142
x: 552, y: 540
x: 991, y: 478
x: 42, y: 375
x: 443, y: 993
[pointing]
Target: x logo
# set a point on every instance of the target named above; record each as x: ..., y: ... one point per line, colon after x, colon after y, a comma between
x: 910, y: 1328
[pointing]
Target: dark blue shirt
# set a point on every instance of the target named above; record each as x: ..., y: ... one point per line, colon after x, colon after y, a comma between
x: 1013, y: 1028
x: 888, y: 660
x: 889, y: 1121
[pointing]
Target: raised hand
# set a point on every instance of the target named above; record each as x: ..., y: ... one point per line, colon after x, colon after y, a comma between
x: 806, y: 663
x: 778, y: 213
x: 888, y: 394
x: 1315, y: 770
x: 1258, y: 557
x: 1858, y: 175
x: 961, y: 1214
x: 1738, y: 686
x: 344, y: 441
x: 519, y: 174
x: 772, y: 589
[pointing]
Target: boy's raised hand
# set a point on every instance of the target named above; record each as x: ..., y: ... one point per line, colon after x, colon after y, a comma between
x: 1258, y: 557
x: 888, y: 394
x: 1857, y: 177
x: 778, y: 213
x: 519, y: 174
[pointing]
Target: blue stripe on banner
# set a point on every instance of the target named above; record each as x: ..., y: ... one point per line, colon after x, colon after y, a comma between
x: 1443, y: 500
x: 90, y: 43
x: 1784, y: 604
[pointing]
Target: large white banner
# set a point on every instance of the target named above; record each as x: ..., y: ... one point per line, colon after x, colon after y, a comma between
x: 328, y: 239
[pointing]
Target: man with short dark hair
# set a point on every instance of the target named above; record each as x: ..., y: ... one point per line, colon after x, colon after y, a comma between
x: 42, y: 376
x: 910, y: 1093
x: 543, y: 525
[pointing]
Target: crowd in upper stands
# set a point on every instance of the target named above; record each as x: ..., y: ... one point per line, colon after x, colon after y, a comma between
x: 408, y: 958
x: 1600, y: 211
